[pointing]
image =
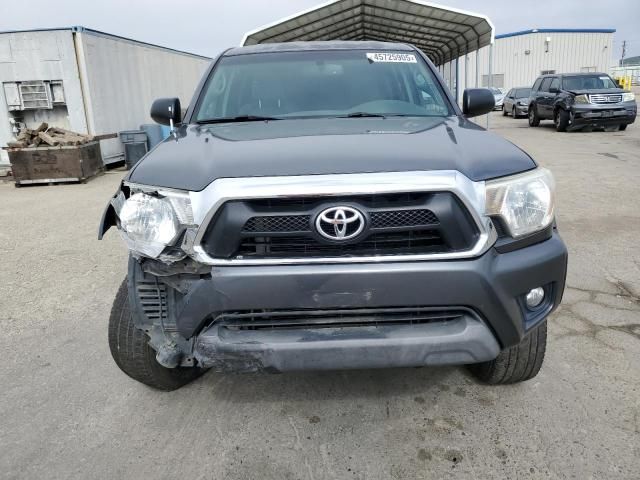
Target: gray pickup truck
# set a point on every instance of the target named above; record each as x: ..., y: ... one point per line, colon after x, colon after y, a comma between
x: 328, y: 205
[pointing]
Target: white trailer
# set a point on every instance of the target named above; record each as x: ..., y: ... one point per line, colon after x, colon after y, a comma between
x: 87, y: 81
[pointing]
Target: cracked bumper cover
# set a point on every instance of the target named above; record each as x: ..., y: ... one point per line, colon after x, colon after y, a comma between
x: 465, y: 340
x: 624, y: 113
x: 492, y: 286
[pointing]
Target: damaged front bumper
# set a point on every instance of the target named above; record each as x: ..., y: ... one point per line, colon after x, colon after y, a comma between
x: 460, y: 340
x: 602, y: 115
x: 339, y: 316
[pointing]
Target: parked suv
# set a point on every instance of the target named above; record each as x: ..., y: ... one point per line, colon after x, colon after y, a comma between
x: 329, y: 206
x: 577, y: 100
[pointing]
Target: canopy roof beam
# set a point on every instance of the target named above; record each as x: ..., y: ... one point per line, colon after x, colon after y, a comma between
x: 443, y: 33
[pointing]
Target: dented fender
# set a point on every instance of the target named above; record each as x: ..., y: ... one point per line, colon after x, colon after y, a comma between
x: 109, y: 217
x: 108, y: 220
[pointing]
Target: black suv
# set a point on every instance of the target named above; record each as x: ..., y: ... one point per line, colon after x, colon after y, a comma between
x: 328, y: 205
x: 577, y: 100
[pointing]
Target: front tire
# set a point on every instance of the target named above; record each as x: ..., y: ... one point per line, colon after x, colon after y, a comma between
x: 131, y: 351
x: 516, y: 364
x: 622, y: 127
x: 514, y: 113
x: 534, y: 120
x: 561, y: 119
x: 504, y: 112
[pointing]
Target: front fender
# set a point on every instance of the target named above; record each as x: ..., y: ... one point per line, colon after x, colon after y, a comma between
x: 563, y: 102
x: 109, y: 218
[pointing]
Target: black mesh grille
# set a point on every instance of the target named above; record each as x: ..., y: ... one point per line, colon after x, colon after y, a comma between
x: 379, y: 219
x: 403, y: 218
x: 336, y: 318
x: 414, y: 223
x: 388, y: 243
x: 272, y: 224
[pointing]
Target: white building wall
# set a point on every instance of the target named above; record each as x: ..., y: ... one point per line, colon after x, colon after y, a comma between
x: 568, y: 52
x: 124, y: 77
x: 109, y: 82
x: 40, y: 55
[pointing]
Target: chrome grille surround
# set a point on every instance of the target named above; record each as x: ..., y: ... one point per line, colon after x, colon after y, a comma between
x: 605, y: 98
x: 208, y: 201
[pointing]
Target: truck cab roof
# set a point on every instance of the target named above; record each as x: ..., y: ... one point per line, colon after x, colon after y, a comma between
x: 315, y: 46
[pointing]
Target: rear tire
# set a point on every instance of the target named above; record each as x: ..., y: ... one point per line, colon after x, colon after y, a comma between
x: 622, y: 127
x: 534, y: 120
x: 516, y: 364
x: 131, y: 351
x: 561, y: 120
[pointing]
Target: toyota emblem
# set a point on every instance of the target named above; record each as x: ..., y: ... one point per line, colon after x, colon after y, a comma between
x: 340, y: 223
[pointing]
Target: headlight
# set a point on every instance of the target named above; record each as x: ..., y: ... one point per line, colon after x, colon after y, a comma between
x: 525, y: 202
x: 149, y: 223
x: 581, y: 99
x: 522, y: 103
x: 628, y: 97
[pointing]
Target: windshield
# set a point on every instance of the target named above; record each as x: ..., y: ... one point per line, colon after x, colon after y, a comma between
x: 522, y: 92
x: 321, y: 84
x: 588, y: 82
x: 496, y: 91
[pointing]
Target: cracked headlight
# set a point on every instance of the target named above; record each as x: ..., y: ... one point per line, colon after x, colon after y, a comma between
x: 525, y: 202
x: 150, y: 223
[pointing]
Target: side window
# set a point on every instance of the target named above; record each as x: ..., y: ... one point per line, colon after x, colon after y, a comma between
x: 555, y: 83
x: 546, y: 83
x: 536, y: 85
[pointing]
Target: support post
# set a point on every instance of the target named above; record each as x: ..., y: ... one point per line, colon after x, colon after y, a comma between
x: 466, y: 70
x: 457, y: 83
x: 490, y: 82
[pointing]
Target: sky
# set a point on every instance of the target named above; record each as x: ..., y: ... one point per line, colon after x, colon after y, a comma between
x: 208, y: 27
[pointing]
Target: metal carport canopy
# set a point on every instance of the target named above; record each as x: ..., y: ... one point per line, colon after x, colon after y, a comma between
x: 443, y: 33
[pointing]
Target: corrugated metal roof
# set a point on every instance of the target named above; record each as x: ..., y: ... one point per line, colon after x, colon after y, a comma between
x: 557, y: 30
x: 443, y: 33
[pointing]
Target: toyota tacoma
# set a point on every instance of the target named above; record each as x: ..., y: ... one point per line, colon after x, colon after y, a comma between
x: 325, y: 206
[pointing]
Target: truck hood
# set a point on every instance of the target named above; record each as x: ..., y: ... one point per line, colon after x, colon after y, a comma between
x: 598, y: 91
x: 200, y: 154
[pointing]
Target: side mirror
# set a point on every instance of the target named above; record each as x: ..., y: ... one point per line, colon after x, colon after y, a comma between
x: 166, y: 111
x: 553, y: 90
x: 477, y: 101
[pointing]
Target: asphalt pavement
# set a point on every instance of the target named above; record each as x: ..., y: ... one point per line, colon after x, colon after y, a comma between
x: 67, y: 412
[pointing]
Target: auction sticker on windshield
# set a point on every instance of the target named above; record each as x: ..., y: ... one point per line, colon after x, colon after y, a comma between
x: 392, y: 57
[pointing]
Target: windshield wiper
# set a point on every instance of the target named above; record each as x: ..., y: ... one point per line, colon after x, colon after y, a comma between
x: 239, y: 118
x: 361, y: 115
